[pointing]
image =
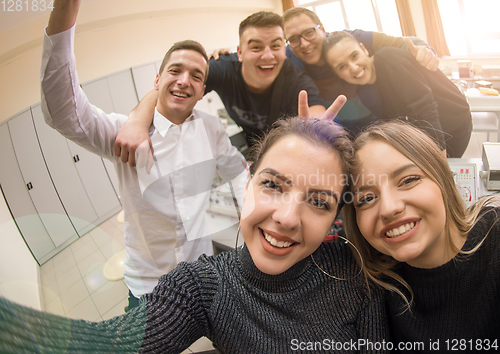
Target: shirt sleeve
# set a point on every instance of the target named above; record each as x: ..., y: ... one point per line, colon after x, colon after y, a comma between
x: 168, y: 320
x: 218, y: 69
x: 375, y: 40
x: 64, y: 104
x: 403, y: 74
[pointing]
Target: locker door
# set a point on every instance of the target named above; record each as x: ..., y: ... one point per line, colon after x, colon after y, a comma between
x: 19, y: 202
x: 37, y: 179
x: 144, y: 77
x: 96, y: 181
x: 62, y: 167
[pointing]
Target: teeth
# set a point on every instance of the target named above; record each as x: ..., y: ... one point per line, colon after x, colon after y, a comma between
x: 178, y: 94
x: 267, y: 67
x: 276, y: 243
x: 360, y: 74
x: 400, y: 230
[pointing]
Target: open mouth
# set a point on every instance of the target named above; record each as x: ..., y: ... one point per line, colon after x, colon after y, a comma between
x: 180, y: 94
x: 360, y: 74
x: 267, y: 68
x: 274, y: 242
x: 401, y: 230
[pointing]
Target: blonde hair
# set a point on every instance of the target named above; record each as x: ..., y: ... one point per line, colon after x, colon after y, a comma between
x: 418, y: 147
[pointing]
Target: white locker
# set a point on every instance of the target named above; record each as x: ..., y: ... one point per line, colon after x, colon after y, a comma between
x: 144, y: 77
x: 37, y: 179
x: 63, y: 171
x: 96, y: 181
x: 19, y: 202
x: 114, y: 93
x: 123, y: 94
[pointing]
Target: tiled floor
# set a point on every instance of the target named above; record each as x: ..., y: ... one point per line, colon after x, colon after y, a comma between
x: 73, y: 284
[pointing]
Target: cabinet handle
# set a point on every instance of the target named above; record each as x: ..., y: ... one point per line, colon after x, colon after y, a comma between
x: 76, y: 158
x: 30, y: 186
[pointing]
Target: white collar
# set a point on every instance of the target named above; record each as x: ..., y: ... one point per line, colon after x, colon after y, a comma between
x: 163, y: 124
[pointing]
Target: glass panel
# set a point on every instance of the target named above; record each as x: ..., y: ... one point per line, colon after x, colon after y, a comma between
x: 360, y: 15
x: 482, y: 16
x: 453, y: 27
x: 331, y: 16
x: 389, y: 17
x: 485, y: 46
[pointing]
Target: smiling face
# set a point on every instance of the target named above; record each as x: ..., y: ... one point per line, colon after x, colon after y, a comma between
x: 311, y: 51
x: 181, y: 84
x: 262, y: 54
x: 290, y: 203
x: 399, y: 209
x: 351, y: 62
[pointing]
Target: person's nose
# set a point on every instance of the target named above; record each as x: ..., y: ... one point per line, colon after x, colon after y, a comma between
x: 353, y: 66
x: 288, y: 211
x: 390, y: 205
x: 268, y: 53
x: 183, y: 79
x: 304, y: 42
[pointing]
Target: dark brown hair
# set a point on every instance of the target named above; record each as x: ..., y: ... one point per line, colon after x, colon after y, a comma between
x: 261, y: 19
x: 297, y: 11
x: 187, y: 44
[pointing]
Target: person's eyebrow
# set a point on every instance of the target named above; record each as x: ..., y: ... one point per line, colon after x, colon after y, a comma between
x: 392, y: 175
x: 258, y: 41
x: 277, y: 175
x: 179, y: 65
x: 289, y: 182
x: 402, y: 169
x: 324, y: 191
x: 253, y: 40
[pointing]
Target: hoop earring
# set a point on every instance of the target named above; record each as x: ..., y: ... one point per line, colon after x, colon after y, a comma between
x: 237, y: 234
x: 338, y: 278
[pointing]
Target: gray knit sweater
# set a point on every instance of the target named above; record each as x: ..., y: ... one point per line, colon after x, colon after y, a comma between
x: 227, y: 299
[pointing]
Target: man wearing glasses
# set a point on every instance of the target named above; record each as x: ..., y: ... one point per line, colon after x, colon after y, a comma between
x: 305, y: 35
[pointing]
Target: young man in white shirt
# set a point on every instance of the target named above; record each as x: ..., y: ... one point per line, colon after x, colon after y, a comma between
x: 165, y: 207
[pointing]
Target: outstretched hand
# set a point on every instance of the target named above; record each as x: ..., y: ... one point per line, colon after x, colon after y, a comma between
x: 330, y: 113
x: 423, y: 55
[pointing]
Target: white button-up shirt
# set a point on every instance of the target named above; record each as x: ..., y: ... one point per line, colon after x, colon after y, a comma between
x: 165, y: 209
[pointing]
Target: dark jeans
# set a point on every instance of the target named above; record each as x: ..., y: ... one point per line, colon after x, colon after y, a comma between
x: 132, y: 301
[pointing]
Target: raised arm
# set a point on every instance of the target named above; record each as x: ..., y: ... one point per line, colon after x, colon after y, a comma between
x: 136, y: 130
x: 424, y: 56
x: 63, y: 16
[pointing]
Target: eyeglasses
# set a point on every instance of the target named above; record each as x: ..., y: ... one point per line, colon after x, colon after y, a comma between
x: 309, y: 34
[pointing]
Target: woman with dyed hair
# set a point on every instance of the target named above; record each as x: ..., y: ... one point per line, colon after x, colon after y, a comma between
x: 284, y: 291
x: 439, y: 262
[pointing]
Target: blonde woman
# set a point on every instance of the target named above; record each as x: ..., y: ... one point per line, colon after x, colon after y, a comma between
x: 439, y: 262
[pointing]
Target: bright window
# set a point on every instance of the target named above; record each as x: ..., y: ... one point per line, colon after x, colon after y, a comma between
x: 368, y: 15
x: 471, y: 26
